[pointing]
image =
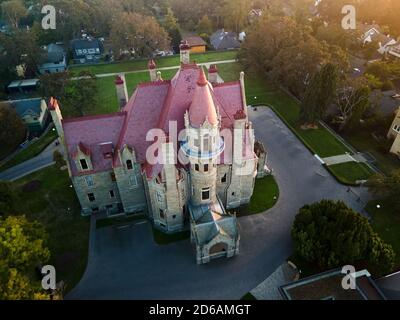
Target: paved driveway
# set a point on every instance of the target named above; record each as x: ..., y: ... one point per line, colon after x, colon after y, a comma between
x: 41, y: 161
x: 127, y: 264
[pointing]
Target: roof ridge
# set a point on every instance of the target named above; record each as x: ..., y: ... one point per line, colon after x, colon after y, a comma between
x: 93, y: 117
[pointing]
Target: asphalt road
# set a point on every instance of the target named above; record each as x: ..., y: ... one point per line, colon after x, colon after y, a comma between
x: 127, y: 264
x: 42, y: 160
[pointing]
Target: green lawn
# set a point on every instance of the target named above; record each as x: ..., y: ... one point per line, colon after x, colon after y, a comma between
x: 350, y: 172
x: 49, y: 199
x: 386, y: 222
x: 106, y: 222
x: 265, y: 195
x: 31, y: 151
x: 162, y: 62
x: 162, y: 238
x: 364, y: 142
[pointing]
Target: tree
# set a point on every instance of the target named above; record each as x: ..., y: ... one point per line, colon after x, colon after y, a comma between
x: 54, y: 84
x: 235, y: 13
x: 387, y: 187
x: 8, y: 199
x: 204, y: 26
x: 319, y: 93
x: 22, y: 248
x: 12, y: 129
x: 172, y: 27
x: 81, y: 92
x: 329, y: 234
x: 13, y: 11
x: 137, y: 33
x: 352, y: 100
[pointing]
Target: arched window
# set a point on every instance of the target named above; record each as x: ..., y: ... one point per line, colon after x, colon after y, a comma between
x: 206, y: 142
x: 129, y: 164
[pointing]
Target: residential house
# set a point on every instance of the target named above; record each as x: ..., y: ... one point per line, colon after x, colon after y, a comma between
x: 223, y: 40
x: 55, y: 59
x: 87, y: 50
x: 33, y: 112
x: 328, y: 286
x: 196, y: 44
x: 23, y: 87
x: 394, y: 50
x: 394, y: 133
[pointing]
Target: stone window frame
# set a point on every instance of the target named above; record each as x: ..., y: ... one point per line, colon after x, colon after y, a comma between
x: 89, y: 181
x: 206, y: 167
x: 83, y: 161
x: 203, y: 191
x: 224, y: 178
x: 396, y: 128
x: 112, y: 194
x: 159, y: 197
x: 129, y: 164
x: 91, y: 197
x: 133, y: 181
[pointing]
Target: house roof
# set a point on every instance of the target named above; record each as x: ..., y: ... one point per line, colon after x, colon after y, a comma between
x: 156, y: 105
x: 195, y: 41
x: 55, y: 53
x: 211, y: 220
x: 27, y: 106
x: 202, y: 107
x: 328, y: 286
x: 222, y: 39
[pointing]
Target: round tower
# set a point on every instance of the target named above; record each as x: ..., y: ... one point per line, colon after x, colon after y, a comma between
x: 203, y: 143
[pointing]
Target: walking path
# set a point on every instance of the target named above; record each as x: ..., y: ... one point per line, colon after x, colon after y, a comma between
x: 41, y: 161
x: 343, y: 158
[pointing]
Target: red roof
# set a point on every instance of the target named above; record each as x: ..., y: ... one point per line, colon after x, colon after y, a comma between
x: 202, y: 107
x: 195, y: 41
x: 119, y: 80
x: 155, y: 105
x: 152, y: 64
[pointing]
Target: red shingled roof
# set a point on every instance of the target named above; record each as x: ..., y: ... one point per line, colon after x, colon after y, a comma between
x: 202, y: 107
x: 155, y: 105
x: 195, y: 41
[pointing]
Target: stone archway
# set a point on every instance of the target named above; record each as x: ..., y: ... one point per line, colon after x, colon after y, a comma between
x: 218, y: 248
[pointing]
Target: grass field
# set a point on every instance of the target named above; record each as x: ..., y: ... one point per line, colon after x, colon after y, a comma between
x: 31, y: 151
x: 162, y: 62
x: 46, y: 196
x: 265, y: 196
x: 350, y: 172
x: 364, y: 142
x: 386, y: 222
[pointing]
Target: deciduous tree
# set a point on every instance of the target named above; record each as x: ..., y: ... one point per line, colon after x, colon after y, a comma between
x: 329, y: 234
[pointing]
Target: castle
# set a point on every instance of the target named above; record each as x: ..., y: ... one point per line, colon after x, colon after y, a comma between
x: 132, y: 160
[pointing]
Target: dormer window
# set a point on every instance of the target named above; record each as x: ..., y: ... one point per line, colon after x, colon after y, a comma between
x: 129, y: 164
x: 84, y: 164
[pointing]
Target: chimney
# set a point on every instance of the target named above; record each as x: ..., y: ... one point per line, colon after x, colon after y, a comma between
x: 213, y: 74
x: 122, y: 92
x: 243, y: 92
x: 185, y: 52
x: 152, y: 70
x: 56, y: 116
